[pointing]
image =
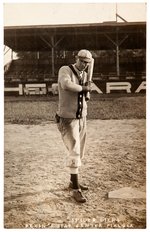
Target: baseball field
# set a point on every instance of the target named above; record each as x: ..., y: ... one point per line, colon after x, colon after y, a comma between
x: 36, y: 193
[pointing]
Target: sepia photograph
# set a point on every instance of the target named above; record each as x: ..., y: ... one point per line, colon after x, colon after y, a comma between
x: 75, y: 115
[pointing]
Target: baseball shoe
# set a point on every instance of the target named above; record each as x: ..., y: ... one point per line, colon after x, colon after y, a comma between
x: 82, y: 187
x: 77, y: 195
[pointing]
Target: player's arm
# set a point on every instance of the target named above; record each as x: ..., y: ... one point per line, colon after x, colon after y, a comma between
x: 66, y: 82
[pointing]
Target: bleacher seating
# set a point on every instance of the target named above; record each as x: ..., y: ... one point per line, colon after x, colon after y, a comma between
x: 24, y: 71
x: 34, y: 70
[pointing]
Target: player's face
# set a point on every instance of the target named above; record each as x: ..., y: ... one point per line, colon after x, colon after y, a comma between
x: 81, y: 64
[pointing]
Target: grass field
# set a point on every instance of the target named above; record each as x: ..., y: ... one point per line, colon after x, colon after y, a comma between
x: 33, y: 109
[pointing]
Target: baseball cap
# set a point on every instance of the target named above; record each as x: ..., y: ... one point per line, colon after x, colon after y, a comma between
x: 85, y: 54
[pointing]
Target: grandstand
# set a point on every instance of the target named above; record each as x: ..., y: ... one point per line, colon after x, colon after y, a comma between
x: 119, y: 50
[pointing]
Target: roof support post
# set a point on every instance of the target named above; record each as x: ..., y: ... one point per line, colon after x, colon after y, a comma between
x: 117, y: 44
x: 117, y: 61
x: 117, y: 51
x: 117, y: 54
x: 53, y: 52
x: 52, y: 45
x: 53, y: 58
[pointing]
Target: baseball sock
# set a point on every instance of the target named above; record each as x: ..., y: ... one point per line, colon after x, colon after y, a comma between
x: 74, y: 180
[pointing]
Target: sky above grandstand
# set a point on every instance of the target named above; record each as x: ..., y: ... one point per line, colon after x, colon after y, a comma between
x: 36, y: 13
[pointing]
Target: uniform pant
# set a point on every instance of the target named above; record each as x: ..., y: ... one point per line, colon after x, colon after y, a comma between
x: 73, y: 133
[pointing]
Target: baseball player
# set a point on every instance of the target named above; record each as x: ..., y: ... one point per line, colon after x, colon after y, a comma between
x: 71, y: 115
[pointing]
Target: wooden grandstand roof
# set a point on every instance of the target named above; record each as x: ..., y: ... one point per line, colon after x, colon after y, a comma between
x: 95, y: 36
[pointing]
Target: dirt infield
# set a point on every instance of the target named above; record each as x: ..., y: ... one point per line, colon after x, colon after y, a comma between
x: 36, y: 180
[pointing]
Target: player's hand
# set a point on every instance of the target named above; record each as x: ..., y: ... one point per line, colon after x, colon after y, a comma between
x: 87, y: 88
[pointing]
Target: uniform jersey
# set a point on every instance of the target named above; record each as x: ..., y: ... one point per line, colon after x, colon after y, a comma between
x: 72, y: 102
